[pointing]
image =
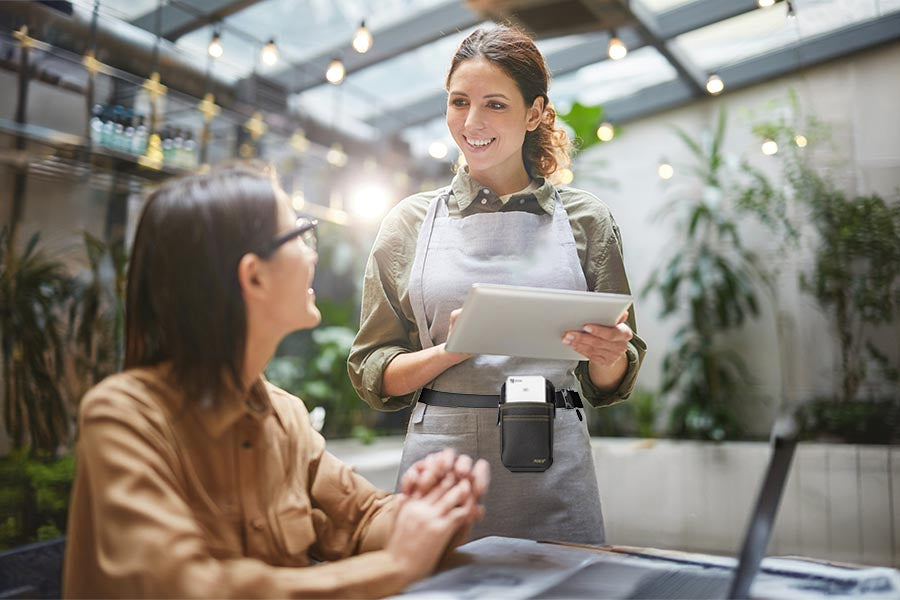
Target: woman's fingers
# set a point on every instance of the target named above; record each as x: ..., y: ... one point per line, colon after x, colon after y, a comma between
x: 463, y: 465
x: 458, y: 495
x: 481, y: 477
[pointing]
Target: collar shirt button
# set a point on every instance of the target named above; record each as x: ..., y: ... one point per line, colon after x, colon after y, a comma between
x: 522, y: 201
x: 485, y: 191
x: 484, y: 200
x: 258, y: 523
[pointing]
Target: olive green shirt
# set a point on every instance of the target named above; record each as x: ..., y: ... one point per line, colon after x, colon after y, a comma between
x: 387, y: 325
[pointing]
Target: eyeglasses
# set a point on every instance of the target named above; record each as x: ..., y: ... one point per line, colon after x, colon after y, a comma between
x: 304, y: 228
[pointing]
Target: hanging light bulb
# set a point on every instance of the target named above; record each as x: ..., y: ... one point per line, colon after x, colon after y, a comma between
x: 769, y: 147
x: 269, y: 53
x: 362, y: 39
x: 565, y: 176
x: 336, y: 156
x: 665, y: 170
x: 215, y: 48
x: 715, y: 85
x: 606, y: 132
x: 801, y: 141
x: 335, y: 73
x: 616, y: 48
x: 765, y: 3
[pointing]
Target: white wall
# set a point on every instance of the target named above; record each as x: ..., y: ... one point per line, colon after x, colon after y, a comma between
x: 857, y: 97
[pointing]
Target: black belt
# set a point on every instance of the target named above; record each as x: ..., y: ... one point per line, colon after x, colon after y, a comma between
x: 563, y: 399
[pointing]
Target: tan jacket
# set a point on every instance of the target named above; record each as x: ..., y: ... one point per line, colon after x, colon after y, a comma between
x: 172, y: 500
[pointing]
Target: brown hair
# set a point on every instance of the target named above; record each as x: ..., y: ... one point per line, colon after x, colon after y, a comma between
x: 545, y: 149
x: 184, y: 302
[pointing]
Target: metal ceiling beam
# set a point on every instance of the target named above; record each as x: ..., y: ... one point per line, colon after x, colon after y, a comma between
x: 811, y: 52
x: 444, y: 19
x: 667, y: 25
x: 180, y: 18
x: 649, y: 29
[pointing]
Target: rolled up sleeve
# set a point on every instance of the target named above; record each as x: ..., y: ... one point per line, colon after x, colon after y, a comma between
x: 604, y: 268
x: 387, y: 327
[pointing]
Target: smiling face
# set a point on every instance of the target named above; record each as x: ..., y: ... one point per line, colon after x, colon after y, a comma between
x: 488, y: 119
x: 292, y: 300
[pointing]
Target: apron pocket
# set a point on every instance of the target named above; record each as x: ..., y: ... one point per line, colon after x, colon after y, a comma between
x: 432, y: 422
x: 526, y: 436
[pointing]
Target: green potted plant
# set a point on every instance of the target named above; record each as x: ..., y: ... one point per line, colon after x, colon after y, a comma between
x: 854, y: 278
x: 712, y: 281
x: 34, y: 289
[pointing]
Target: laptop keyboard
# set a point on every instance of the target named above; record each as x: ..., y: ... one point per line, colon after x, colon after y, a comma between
x: 683, y: 584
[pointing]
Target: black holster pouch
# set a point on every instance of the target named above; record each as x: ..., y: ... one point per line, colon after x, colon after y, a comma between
x: 526, y: 433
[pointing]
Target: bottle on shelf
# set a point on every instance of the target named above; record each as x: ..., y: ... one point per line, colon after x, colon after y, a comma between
x: 139, y: 141
x: 118, y: 141
x: 107, y: 132
x: 167, y: 146
x: 190, y: 149
x: 178, y: 149
x: 96, y: 124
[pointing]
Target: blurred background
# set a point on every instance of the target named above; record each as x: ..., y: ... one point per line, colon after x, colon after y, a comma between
x: 747, y: 149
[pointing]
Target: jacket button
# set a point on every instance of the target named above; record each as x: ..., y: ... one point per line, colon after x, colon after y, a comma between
x: 258, y: 523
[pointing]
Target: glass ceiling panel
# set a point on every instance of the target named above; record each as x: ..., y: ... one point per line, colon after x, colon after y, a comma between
x: 608, y: 80
x: 386, y: 85
x: 127, y: 10
x: 240, y: 56
x: 663, y: 5
x: 763, y: 30
x: 304, y: 29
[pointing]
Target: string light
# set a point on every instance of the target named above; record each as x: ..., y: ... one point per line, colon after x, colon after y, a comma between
x: 362, y: 39
x: 336, y: 156
x: 769, y: 147
x: 437, y: 150
x: 616, y: 48
x: 606, y: 132
x: 765, y: 3
x: 335, y: 73
x: 566, y: 176
x: 215, y: 48
x: 665, y: 170
x: 715, y: 85
x: 801, y: 141
x: 269, y: 53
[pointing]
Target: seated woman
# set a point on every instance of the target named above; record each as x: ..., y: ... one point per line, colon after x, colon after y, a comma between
x: 197, y: 477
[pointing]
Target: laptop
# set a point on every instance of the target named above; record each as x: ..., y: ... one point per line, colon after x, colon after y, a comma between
x: 696, y: 581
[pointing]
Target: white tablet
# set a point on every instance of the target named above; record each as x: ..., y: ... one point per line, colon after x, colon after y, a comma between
x: 529, y: 322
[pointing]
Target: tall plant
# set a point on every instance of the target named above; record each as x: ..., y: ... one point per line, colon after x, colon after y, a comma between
x: 855, y: 275
x: 33, y: 291
x: 711, y: 280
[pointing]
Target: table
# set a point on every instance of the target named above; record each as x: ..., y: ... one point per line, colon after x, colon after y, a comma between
x: 497, y: 567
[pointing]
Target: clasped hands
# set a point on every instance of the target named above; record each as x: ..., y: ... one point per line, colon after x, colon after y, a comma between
x: 440, y: 500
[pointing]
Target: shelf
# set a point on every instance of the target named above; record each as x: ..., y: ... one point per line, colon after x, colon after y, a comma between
x: 74, y: 151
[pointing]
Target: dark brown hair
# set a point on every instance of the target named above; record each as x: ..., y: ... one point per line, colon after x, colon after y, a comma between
x: 184, y: 302
x: 545, y: 149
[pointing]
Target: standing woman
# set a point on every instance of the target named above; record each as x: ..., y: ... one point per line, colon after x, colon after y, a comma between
x: 502, y: 221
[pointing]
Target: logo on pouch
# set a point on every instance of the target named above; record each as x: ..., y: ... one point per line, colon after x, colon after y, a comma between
x: 539, y: 461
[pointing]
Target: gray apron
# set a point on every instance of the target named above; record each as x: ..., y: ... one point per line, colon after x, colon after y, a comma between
x: 514, y: 248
